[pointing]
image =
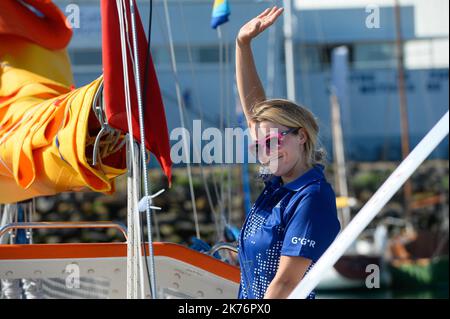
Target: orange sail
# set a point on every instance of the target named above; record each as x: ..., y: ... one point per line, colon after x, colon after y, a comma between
x: 46, y: 128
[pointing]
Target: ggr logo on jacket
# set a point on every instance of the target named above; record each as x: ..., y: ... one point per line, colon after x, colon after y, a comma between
x: 303, y: 241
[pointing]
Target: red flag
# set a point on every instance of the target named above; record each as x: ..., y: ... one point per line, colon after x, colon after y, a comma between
x: 156, y: 133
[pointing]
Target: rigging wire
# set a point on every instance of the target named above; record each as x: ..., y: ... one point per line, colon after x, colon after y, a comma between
x: 137, y: 217
x: 145, y: 98
x: 183, y: 116
x: 213, y: 177
x: 181, y: 113
x: 142, y: 148
x: 132, y: 199
x: 200, y: 111
x: 228, y: 120
x: 221, y: 116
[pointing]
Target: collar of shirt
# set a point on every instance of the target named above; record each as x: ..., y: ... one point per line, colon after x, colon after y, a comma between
x: 313, y: 174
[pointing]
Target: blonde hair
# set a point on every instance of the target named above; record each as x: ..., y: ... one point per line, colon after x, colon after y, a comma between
x: 291, y: 115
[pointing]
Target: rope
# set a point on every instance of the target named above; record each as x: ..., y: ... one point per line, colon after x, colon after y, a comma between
x: 11, y: 289
x: 32, y: 288
x: 143, y: 153
x: 135, y: 193
x: 132, y: 251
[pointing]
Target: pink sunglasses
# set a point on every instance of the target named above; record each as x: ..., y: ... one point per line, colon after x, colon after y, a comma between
x: 270, y: 143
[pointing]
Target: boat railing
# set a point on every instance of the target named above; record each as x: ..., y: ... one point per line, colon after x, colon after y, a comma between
x: 219, y: 246
x: 63, y: 225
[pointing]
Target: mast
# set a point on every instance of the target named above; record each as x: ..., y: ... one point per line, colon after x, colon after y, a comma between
x: 271, y: 61
x: 407, y: 189
x: 289, y: 50
x: 337, y: 99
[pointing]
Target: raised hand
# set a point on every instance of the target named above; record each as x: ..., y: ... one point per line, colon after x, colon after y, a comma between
x: 257, y: 25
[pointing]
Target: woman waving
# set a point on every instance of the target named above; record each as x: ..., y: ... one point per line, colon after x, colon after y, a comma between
x: 294, y: 220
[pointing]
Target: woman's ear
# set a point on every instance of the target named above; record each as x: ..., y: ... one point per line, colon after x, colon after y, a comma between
x: 302, y: 135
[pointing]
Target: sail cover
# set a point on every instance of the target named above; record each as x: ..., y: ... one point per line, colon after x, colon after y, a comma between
x: 47, y: 128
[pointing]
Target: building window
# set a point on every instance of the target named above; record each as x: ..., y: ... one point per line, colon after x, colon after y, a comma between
x: 419, y: 54
x: 86, y: 56
x: 316, y: 58
x: 86, y: 65
x: 199, y: 54
x: 374, y: 55
x: 209, y: 55
x: 309, y: 58
x: 427, y: 53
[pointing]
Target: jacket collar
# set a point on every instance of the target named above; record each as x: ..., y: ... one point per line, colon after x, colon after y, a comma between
x: 313, y: 174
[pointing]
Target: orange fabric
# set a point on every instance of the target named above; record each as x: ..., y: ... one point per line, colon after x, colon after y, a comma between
x: 34, y: 64
x: 45, y: 142
x: 50, y: 31
x: 44, y: 147
x: 47, y: 128
x: 109, y: 250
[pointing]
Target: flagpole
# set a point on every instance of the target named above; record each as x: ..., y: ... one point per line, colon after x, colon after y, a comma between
x: 338, y: 100
x: 289, y: 51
